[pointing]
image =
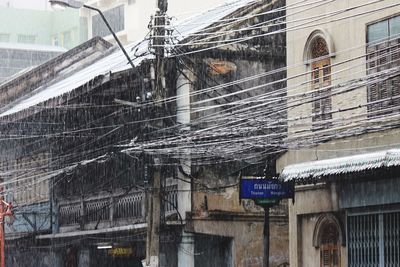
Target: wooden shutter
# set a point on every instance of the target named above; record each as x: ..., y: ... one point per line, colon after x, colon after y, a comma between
x: 322, y: 103
x: 383, y: 96
x: 330, y: 255
x: 325, y: 257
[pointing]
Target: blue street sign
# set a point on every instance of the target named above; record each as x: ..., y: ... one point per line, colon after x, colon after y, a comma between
x: 266, y: 189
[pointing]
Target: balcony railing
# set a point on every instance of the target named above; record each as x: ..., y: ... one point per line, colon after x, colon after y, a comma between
x: 104, y: 207
x: 112, y: 207
x: 171, y: 199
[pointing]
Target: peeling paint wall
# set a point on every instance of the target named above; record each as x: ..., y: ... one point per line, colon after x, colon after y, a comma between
x: 247, y: 239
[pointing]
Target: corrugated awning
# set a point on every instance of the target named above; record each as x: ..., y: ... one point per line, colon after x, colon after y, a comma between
x: 131, y: 227
x: 350, y: 164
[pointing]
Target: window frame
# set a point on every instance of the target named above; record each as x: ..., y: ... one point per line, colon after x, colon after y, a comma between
x: 321, y: 85
x: 377, y: 21
x: 375, y: 90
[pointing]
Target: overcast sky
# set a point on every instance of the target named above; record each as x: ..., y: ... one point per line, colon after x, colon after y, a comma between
x: 190, y: 7
x: 29, y: 4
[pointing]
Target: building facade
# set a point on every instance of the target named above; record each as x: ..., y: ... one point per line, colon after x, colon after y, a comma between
x: 342, y: 122
x: 214, y: 78
x: 38, y: 37
x: 94, y: 116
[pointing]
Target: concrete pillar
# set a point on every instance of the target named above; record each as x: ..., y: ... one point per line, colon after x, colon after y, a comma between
x: 183, y: 86
x: 186, y: 251
x: 183, y: 117
x: 294, y: 237
x: 186, y: 247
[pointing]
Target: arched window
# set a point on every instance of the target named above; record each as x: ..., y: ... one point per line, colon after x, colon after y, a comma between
x: 320, y: 84
x: 317, y: 55
x: 328, y: 237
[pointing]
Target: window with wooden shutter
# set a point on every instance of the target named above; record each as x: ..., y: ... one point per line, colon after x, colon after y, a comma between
x: 383, y: 54
x: 330, y: 247
x: 326, y: 257
x: 321, y: 81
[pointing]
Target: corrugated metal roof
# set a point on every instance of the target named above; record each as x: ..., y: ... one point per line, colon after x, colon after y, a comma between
x: 342, y: 165
x: 116, y: 61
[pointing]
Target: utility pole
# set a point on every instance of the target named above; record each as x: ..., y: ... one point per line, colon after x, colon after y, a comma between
x: 269, y: 172
x: 154, y: 202
x: 266, y: 236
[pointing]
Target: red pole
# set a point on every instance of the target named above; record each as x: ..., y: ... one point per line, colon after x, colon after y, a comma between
x: 2, y: 260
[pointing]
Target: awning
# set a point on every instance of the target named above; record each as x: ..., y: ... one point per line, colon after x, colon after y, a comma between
x: 131, y: 227
x: 343, y: 165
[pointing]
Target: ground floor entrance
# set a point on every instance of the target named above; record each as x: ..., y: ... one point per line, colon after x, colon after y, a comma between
x: 374, y: 239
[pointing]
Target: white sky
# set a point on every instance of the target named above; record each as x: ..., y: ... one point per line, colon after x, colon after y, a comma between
x: 28, y: 4
x: 137, y: 28
x: 190, y: 6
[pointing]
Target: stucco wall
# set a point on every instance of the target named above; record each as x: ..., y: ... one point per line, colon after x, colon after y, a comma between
x: 348, y: 41
x: 247, y: 237
x: 311, y: 202
x: 365, y: 143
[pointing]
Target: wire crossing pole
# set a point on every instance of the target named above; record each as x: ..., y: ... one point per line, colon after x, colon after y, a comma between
x: 155, y: 203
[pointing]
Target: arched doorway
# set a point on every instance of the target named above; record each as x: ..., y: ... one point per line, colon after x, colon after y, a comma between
x: 328, y: 238
x: 330, y: 247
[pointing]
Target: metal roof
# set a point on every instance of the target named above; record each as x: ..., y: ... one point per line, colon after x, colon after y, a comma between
x: 343, y: 165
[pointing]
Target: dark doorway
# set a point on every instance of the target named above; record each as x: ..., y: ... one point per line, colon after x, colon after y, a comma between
x: 213, y: 251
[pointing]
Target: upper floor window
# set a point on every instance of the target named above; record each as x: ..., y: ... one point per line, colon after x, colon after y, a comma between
x: 54, y: 40
x: 26, y: 39
x: 383, y: 53
x: 115, y: 18
x: 4, y: 37
x: 66, y: 39
x: 320, y: 84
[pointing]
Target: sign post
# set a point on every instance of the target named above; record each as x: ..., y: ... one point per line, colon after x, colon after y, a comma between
x: 265, y: 193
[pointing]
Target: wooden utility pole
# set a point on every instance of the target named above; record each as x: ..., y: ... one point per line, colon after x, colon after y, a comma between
x: 154, y: 202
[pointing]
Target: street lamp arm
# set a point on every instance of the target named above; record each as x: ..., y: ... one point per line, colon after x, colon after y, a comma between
x: 113, y: 33
x: 66, y: 3
x: 78, y: 4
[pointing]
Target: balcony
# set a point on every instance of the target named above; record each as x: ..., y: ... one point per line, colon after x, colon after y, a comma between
x: 109, y: 210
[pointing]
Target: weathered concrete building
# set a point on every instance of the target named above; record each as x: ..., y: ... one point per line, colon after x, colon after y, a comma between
x: 65, y: 177
x: 87, y: 105
x: 343, y: 90
x: 221, y: 230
